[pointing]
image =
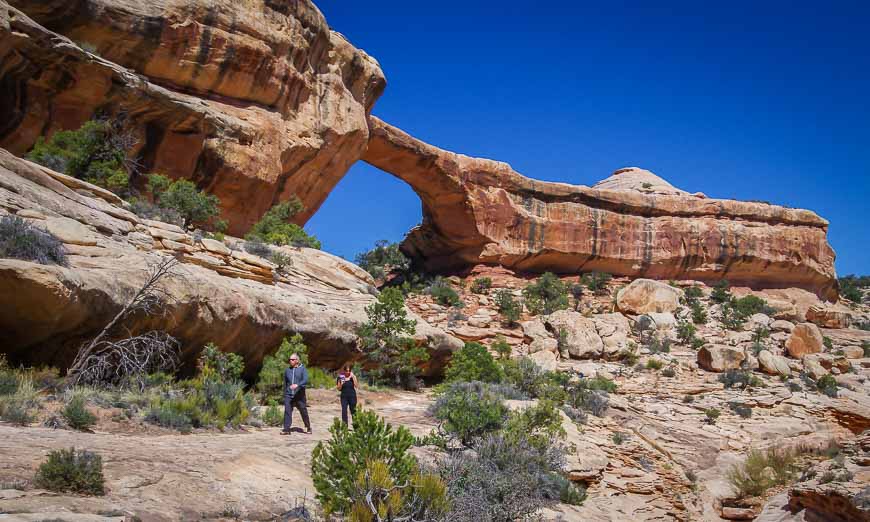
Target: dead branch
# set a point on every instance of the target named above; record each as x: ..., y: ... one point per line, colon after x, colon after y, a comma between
x: 133, y: 351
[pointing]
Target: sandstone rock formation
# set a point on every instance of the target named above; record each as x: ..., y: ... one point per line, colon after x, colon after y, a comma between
x: 254, y: 103
x: 482, y: 211
x: 219, y: 292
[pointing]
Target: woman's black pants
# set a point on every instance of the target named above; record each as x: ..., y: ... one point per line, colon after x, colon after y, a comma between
x: 347, y: 401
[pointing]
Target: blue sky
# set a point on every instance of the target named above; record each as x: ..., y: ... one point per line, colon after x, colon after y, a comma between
x: 756, y: 100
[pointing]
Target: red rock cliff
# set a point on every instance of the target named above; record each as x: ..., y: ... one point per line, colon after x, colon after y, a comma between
x: 254, y: 102
x: 633, y: 223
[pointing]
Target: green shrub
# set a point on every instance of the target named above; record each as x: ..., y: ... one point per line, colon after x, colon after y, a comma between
x: 72, y: 471
x: 15, y: 411
x: 225, y: 366
x: 20, y: 239
x: 383, y: 257
x: 508, y: 307
x: 275, y: 227
x: 481, y: 285
x: 753, y: 477
x: 865, y: 346
x: 96, y: 153
x: 320, y: 378
x: 734, y: 378
x: 712, y: 414
x: 77, y: 415
x: 273, y: 415
x: 443, y: 293
x: 720, y: 293
x: 8, y: 377
x: 196, y: 208
x: 699, y: 315
x: 337, y: 464
x: 619, y: 437
x: 669, y: 372
x: 590, y: 395
x: 473, y: 363
x: 688, y: 399
x: 827, y: 384
x: 596, y: 282
x: 749, y: 305
x: 177, y: 415
x: 541, y: 424
x: 467, y: 411
x: 501, y: 347
x: 387, y: 342
x: 524, y: 374
x: 692, y: 295
x: 829, y: 344
x: 740, y: 409
x: 654, y: 364
x: 546, y: 295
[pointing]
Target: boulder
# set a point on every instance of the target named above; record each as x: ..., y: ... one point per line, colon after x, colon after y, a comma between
x: 614, y: 330
x: 662, y: 320
x: 534, y: 329
x: 544, y: 344
x: 719, y: 358
x: 805, y: 338
x: 773, y: 364
x: 853, y: 352
x: 830, y: 316
x: 545, y: 359
x: 581, y: 336
x: 480, y: 211
x: 756, y: 321
x: 644, y: 296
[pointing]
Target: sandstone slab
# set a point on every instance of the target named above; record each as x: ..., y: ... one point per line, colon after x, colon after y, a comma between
x: 806, y: 338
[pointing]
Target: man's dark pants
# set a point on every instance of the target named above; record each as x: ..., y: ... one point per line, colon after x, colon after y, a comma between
x: 296, y: 401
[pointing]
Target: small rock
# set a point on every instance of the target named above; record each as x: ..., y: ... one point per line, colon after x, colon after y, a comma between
x: 853, y: 352
x: 547, y: 344
x: 814, y: 368
x: 719, y: 358
x: 734, y: 513
x: 773, y: 364
x: 781, y: 326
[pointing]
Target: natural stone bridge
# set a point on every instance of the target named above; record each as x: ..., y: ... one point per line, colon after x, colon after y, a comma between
x: 257, y: 105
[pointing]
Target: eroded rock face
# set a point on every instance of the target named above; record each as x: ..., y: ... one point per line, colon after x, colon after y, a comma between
x: 254, y: 103
x: 482, y: 211
x: 217, y: 294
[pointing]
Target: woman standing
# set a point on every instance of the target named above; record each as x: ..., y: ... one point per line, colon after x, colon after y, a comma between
x: 347, y: 383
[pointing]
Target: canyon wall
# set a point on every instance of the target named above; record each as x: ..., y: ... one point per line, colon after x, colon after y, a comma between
x: 254, y: 102
x: 480, y: 211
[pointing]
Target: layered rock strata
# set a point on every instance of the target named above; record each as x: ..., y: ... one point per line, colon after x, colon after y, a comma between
x: 218, y: 293
x: 255, y: 103
x: 633, y: 223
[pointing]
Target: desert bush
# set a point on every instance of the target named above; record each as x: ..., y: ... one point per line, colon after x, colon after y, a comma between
x: 275, y: 227
x: 336, y: 464
x: 481, y: 285
x: 596, y: 282
x: 225, y: 366
x: 688, y: 399
x: 575, y: 414
x: 509, y: 308
x: 827, y: 384
x: 96, y: 152
x: 282, y: 261
x: 669, y: 372
x: 590, y: 395
x: 196, y: 208
x: 256, y: 246
x: 443, y: 293
x: 546, y: 295
x: 654, y: 364
x: 712, y: 414
x: 273, y: 415
x: 72, y: 471
x: 15, y: 411
x: 501, y: 347
x: 383, y: 257
x: 20, y: 239
x: 750, y: 304
x: 386, y: 339
x: 524, y: 374
x: 378, y: 496
x: 740, y: 409
x: 8, y: 377
x: 720, y: 293
x: 502, y: 480
x: 77, y: 415
x: 699, y: 315
x: 467, y: 411
x: 148, y: 210
x: 473, y: 363
x: 619, y: 437
x: 731, y: 318
x: 692, y: 294
x: 177, y: 415
x: 540, y: 424
x: 734, y: 378
x: 762, y: 470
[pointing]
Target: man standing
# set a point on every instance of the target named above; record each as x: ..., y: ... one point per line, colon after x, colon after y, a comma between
x: 295, y: 381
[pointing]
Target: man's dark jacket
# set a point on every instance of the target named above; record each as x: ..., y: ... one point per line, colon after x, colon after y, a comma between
x: 298, y: 376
